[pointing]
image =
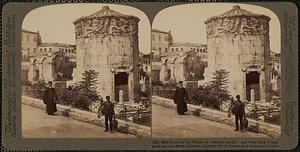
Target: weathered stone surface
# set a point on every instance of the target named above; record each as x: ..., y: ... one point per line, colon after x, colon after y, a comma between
x: 219, y: 116
x: 107, y: 42
x: 239, y: 43
x: 90, y: 117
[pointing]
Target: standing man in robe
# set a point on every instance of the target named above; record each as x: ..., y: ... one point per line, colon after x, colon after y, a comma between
x: 180, y: 98
x: 49, y: 99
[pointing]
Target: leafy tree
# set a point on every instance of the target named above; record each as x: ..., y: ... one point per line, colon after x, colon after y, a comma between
x: 219, y: 86
x: 213, y: 93
x: 84, y: 93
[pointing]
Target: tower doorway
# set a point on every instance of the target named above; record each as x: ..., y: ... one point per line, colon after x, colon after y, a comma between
x: 121, y: 83
x: 252, y: 83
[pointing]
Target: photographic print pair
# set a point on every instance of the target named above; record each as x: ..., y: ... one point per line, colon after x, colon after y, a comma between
x: 210, y: 70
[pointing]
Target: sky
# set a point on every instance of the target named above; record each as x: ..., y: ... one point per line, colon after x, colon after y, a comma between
x: 186, y: 22
x: 55, y: 22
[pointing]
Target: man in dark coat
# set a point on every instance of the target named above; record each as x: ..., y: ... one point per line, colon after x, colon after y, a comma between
x: 49, y: 99
x: 179, y: 99
x: 108, y: 111
x: 239, y: 112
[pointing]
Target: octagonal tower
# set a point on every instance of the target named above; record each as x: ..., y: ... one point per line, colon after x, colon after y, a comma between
x: 238, y: 41
x: 107, y: 42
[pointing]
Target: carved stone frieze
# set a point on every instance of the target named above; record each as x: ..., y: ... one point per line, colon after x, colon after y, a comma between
x: 90, y: 28
x: 237, y: 25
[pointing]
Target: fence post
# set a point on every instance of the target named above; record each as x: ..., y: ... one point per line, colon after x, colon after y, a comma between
x: 121, y: 96
x: 252, y: 95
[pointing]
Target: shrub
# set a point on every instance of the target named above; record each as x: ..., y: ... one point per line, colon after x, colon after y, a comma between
x: 83, y: 94
x: 212, y: 94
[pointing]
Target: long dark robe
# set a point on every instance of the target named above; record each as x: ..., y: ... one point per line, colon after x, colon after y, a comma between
x: 49, y: 99
x: 179, y: 99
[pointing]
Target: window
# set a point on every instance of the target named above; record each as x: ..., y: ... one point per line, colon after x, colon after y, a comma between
x: 28, y: 49
x: 45, y: 49
x: 34, y: 49
x: 34, y: 39
x: 166, y: 49
x: 166, y: 38
x: 172, y: 49
x: 181, y: 49
x: 50, y: 49
x: 176, y: 49
x: 41, y: 49
x: 159, y: 49
x: 27, y: 38
x: 159, y: 38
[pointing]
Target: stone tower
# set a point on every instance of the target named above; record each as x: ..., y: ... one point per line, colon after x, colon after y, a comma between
x: 107, y: 42
x: 238, y: 41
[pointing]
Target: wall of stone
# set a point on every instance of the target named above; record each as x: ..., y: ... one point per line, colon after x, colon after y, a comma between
x: 234, y: 45
x: 107, y: 42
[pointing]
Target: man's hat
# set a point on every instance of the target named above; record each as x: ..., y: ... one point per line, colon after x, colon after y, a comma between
x: 180, y: 81
x: 237, y: 96
x: 107, y: 97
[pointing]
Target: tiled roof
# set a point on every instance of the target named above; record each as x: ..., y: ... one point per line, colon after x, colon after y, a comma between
x: 56, y: 44
x: 27, y: 31
x: 160, y: 31
x: 187, y: 44
x: 236, y: 11
x: 106, y: 12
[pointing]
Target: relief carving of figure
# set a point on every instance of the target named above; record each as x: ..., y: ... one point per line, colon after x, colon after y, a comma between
x: 232, y: 27
x: 101, y: 26
x: 78, y: 31
x: 252, y: 26
x: 122, y: 27
x: 88, y: 28
x: 209, y: 30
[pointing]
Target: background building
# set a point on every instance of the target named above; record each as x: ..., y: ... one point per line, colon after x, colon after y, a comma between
x: 107, y: 42
x: 238, y: 41
x: 68, y: 49
x: 199, y: 50
x: 29, y: 43
x: 275, y: 72
x: 52, y: 62
x: 161, y: 42
x: 183, y: 66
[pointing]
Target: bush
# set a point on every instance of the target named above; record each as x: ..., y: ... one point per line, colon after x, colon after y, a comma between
x: 82, y: 95
x: 212, y: 94
x: 35, y: 90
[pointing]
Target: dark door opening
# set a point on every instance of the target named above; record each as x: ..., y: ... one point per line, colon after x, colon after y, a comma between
x: 252, y: 82
x: 168, y: 75
x: 121, y: 83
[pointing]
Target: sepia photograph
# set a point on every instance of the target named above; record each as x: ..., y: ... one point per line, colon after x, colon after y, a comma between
x: 86, y: 72
x: 216, y: 72
x: 136, y: 75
